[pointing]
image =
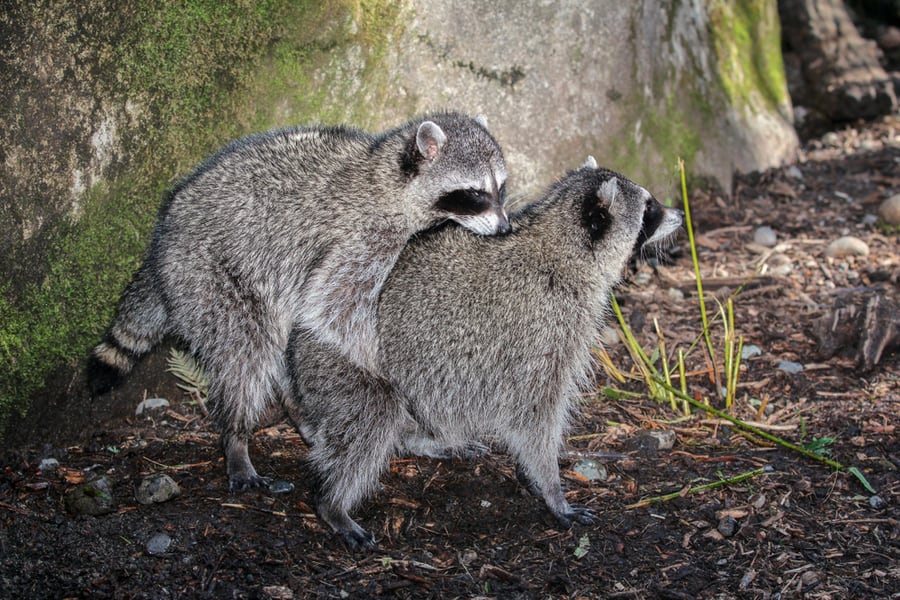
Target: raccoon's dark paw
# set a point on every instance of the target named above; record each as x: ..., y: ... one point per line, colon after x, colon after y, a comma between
x: 242, y: 484
x: 101, y: 377
x: 578, y: 514
x: 358, y: 539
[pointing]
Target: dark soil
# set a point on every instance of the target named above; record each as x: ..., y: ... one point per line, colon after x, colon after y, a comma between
x: 461, y: 529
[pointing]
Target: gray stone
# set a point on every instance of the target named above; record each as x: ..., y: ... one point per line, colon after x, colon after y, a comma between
x: 869, y: 219
x: 728, y: 526
x: 590, y: 469
x: 281, y: 487
x: 665, y: 437
x: 159, y: 544
x: 675, y: 294
x: 48, y: 464
x: 889, y: 210
x: 765, y: 236
x: 791, y: 368
x: 749, y: 351
x: 150, y: 404
x: 877, y: 502
x: 156, y: 488
x: 794, y: 173
x: 94, y: 497
x: 847, y: 246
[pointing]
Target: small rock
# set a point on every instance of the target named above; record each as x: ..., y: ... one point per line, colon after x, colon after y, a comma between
x: 93, y: 497
x: 765, y: 236
x: 728, y: 526
x: 642, y: 278
x: 159, y: 544
x: 794, y: 173
x: 666, y: 439
x: 278, y: 592
x: 749, y: 351
x: 149, y: 404
x: 877, y: 502
x: 156, y: 488
x: 889, y: 210
x: 869, y: 219
x: 281, y: 487
x: 485, y: 504
x: 847, y: 246
x: 590, y: 469
x: 675, y: 294
x: 791, y: 368
x: 48, y: 464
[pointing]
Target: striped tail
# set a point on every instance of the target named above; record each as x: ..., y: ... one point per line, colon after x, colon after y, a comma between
x: 139, y: 326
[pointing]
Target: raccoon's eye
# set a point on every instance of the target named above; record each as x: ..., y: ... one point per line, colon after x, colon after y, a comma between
x: 653, y: 214
x: 464, y: 202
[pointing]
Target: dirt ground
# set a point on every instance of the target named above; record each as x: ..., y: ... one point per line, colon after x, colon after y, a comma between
x: 466, y: 529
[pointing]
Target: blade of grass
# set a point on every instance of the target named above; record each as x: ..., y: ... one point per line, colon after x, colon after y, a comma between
x: 700, y: 488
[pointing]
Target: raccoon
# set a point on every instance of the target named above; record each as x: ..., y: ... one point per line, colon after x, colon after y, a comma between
x: 298, y: 226
x: 480, y: 339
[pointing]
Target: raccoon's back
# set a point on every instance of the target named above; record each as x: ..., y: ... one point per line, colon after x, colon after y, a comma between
x: 470, y: 325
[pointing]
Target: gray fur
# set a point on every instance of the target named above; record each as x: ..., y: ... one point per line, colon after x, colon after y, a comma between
x: 480, y: 339
x: 299, y: 226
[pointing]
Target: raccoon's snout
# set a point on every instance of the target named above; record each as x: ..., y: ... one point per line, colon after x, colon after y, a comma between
x: 659, y: 222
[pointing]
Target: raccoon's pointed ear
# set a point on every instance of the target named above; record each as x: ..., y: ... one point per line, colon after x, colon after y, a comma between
x: 481, y: 120
x: 589, y: 163
x: 430, y: 139
x: 607, y: 192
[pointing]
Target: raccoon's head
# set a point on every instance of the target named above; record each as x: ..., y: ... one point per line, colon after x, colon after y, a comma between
x: 619, y: 217
x: 456, y: 172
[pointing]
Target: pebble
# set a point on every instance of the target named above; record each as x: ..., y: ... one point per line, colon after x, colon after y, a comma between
x: 765, y: 236
x: 877, y: 502
x: 278, y: 592
x: 666, y: 439
x: 590, y: 469
x: 791, y: 368
x: 847, y: 246
x: 728, y: 526
x: 642, y: 278
x: 48, y: 464
x: 159, y: 544
x: 794, y: 173
x: 749, y: 351
x: 675, y: 294
x: 156, y: 488
x: 869, y: 219
x: 281, y: 487
x: 889, y: 210
x: 149, y: 404
x: 93, y: 497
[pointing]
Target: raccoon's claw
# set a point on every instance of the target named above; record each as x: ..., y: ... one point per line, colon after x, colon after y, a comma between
x: 585, y: 516
x: 242, y: 484
x: 471, y: 451
x: 358, y: 540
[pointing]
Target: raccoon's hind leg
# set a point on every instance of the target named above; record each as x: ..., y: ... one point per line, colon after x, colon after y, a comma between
x: 355, y: 443
x: 139, y: 325
x: 537, y: 468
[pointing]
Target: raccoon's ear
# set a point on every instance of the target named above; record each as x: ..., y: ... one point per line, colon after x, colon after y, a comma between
x: 589, y: 163
x: 430, y: 139
x: 481, y: 120
x: 607, y: 192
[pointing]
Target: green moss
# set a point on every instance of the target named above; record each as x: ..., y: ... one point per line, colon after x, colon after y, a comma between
x: 747, y: 43
x: 197, y: 73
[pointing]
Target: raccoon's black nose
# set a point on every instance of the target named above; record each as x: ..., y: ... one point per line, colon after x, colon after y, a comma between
x: 503, y: 227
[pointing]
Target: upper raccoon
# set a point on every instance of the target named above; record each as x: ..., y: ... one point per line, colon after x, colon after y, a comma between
x: 481, y: 339
x: 295, y: 226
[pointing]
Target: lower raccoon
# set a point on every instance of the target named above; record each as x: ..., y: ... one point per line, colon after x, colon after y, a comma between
x: 295, y: 226
x: 480, y: 339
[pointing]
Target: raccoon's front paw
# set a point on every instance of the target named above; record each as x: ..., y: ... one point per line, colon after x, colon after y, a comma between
x: 244, y: 483
x: 471, y: 451
x: 582, y: 515
x: 358, y: 539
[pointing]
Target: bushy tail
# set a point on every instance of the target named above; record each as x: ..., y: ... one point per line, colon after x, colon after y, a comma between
x: 140, y: 324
